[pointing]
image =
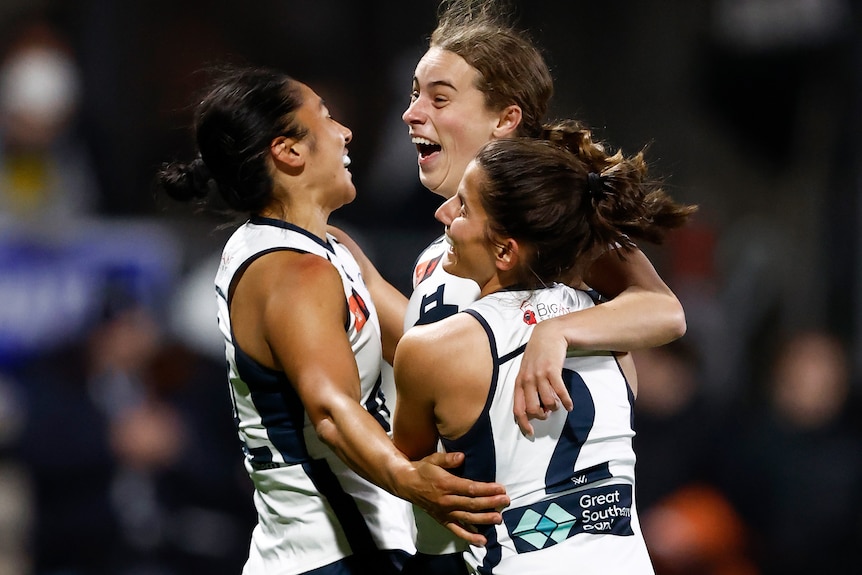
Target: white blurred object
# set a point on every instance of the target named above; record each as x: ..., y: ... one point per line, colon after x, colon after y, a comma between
x: 194, y: 310
x: 773, y: 24
x: 40, y: 83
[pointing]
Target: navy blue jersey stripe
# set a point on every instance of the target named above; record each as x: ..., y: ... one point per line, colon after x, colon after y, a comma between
x: 280, y: 408
x: 578, y: 424
x: 344, y: 506
x: 480, y: 456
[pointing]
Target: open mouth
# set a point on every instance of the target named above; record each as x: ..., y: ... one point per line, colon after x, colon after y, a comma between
x: 426, y: 147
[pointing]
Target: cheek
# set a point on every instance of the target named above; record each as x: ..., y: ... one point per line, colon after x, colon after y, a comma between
x: 468, y: 142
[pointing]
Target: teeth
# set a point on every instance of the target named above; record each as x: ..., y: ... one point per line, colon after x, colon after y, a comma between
x: 423, y: 141
x: 346, y: 159
x: 448, y: 239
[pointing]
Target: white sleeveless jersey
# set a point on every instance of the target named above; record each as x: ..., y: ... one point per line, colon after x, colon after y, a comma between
x: 437, y: 294
x: 572, y: 486
x: 312, y: 509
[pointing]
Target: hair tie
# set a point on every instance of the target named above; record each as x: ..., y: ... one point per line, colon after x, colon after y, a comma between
x: 596, y: 186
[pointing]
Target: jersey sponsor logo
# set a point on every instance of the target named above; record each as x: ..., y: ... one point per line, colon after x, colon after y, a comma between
x: 605, y: 510
x: 536, y: 312
x: 358, y: 309
x: 529, y: 314
x: 423, y: 270
x: 581, y: 478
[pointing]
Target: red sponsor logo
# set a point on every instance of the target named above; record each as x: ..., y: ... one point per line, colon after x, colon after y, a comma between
x: 358, y: 309
x: 423, y: 270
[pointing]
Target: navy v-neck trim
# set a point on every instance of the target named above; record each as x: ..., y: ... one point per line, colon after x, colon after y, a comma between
x: 262, y: 221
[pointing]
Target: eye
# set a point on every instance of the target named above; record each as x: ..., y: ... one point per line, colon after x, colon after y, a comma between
x: 414, y: 95
x: 440, y: 100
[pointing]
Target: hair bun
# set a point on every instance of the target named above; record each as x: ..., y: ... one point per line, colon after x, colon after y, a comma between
x: 185, y: 182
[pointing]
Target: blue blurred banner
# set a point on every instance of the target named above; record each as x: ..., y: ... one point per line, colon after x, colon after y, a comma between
x: 54, y: 287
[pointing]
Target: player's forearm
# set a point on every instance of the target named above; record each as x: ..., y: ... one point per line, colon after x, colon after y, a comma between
x: 635, y: 319
x: 357, y: 438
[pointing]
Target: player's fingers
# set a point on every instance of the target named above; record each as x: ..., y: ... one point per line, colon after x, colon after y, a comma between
x: 478, y: 517
x: 481, y: 504
x: 460, y: 530
x: 561, y: 392
x: 547, y: 394
x: 520, y: 412
x: 532, y: 402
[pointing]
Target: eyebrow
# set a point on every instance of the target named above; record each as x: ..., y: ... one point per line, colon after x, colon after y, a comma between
x: 437, y: 83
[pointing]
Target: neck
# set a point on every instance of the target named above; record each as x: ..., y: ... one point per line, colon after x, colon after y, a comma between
x: 313, y: 219
x: 514, y: 279
x: 494, y: 284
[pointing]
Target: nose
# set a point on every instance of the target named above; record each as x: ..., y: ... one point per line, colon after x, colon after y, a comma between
x: 348, y: 135
x: 413, y: 113
x: 448, y: 210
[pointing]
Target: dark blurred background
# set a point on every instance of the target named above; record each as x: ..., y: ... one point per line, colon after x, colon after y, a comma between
x: 117, y: 453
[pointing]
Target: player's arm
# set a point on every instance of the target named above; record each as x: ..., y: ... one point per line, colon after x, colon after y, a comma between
x: 391, y: 304
x: 442, y: 376
x: 642, y: 312
x: 318, y: 361
x: 414, y: 427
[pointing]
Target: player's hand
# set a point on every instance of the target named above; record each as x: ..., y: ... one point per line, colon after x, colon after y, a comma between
x: 457, y: 503
x: 539, y: 386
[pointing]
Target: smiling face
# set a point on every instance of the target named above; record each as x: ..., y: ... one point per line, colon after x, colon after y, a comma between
x: 448, y: 118
x: 471, y: 253
x: 326, y: 141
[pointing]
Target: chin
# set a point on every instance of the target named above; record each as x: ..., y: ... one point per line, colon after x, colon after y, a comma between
x: 432, y: 186
x: 450, y: 266
x: 447, y: 264
x: 349, y: 196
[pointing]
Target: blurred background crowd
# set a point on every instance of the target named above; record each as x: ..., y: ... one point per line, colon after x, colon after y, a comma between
x: 117, y: 452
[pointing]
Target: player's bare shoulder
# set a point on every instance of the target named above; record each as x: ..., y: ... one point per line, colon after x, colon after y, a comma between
x: 446, y: 352
x: 443, y: 337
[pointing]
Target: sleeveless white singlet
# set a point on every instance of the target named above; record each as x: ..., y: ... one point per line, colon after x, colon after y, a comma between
x: 312, y: 509
x: 572, y: 485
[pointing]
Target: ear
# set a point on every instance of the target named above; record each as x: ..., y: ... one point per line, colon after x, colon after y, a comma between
x: 507, y: 254
x: 508, y: 121
x: 287, y: 151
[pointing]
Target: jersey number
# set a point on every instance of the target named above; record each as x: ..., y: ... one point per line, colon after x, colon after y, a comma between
x: 433, y: 309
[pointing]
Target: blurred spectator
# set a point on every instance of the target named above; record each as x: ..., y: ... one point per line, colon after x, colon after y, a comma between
x: 46, y: 170
x: 132, y: 462
x: 689, y: 525
x: 15, y: 508
x: 674, y: 420
x: 695, y: 531
x: 793, y: 466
